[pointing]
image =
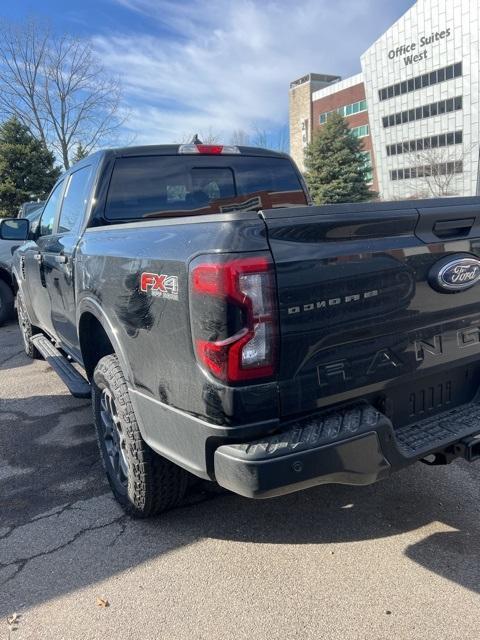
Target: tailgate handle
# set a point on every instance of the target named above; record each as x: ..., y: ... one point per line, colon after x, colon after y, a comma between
x: 453, y: 228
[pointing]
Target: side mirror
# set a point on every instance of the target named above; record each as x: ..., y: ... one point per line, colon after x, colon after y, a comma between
x: 16, y: 229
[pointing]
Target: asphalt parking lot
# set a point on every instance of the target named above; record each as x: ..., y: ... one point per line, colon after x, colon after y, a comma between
x: 395, y: 560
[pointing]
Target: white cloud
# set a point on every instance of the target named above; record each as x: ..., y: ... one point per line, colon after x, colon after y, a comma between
x: 224, y: 65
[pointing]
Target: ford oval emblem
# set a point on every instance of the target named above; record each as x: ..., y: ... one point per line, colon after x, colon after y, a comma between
x: 455, y: 273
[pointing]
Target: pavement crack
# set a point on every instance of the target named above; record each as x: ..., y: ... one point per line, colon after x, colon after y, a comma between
x: 123, y: 528
x: 35, y: 520
x: 7, y: 533
x: 22, y: 562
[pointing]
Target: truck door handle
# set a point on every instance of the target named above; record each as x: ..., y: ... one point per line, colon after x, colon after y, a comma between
x: 61, y: 259
x: 38, y: 257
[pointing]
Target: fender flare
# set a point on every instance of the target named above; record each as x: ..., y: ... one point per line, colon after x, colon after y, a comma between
x: 92, y: 306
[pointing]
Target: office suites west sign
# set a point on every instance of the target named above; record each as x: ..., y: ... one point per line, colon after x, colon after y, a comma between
x: 416, y: 51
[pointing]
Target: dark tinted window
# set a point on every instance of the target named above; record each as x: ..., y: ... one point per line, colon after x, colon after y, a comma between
x: 157, y: 186
x: 50, y: 211
x: 74, y: 200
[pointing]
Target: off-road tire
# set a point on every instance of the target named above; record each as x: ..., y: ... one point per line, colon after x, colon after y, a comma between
x: 151, y: 484
x: 26, y: 329
x: 6, y: 303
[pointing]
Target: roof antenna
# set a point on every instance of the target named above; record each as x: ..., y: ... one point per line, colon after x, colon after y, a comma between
x: 196, y: 140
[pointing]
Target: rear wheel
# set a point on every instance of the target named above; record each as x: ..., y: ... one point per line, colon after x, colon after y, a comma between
x: 6, y: 302
x: 26, y: 328
x: 143, y: 482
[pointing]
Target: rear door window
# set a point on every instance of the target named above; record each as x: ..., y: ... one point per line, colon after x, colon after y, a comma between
x: 49, y: 212
x: 74, y: 200
x: 162, y: 186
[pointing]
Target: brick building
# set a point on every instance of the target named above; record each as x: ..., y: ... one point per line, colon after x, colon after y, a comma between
x: 415, y: 105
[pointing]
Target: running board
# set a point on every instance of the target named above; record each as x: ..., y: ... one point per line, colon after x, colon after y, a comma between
x: 74, y: 381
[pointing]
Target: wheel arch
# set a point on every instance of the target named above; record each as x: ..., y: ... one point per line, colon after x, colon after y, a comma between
x: 98, y: 338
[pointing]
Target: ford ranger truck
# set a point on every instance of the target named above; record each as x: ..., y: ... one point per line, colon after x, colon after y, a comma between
x: 231, y: 331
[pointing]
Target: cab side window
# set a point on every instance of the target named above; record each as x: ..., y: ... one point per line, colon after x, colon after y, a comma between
x: 50, y: 211
x: 74, y: 200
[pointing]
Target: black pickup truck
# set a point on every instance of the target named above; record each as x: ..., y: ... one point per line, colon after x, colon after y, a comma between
x: 231, y: 331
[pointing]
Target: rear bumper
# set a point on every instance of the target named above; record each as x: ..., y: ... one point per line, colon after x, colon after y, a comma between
x: 355, y: 445
x: 358, y: 461
x: 304, y: 455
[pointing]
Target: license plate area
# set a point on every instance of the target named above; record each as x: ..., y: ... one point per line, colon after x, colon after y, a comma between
x: 425, y: 397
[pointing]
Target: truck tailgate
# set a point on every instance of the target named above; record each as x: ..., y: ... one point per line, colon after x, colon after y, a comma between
x: 358, y: 314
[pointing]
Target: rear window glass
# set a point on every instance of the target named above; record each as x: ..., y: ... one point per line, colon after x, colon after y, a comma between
x: 159, y: 186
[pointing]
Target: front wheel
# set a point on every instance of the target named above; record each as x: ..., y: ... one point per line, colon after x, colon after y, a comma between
x: 143, y: 482
x: 26, y: 329
x: 6, y: 302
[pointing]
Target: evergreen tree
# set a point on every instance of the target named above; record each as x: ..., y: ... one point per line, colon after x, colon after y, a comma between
x: 27, y: 169
x: 80, y: 153
x: 336, y: 167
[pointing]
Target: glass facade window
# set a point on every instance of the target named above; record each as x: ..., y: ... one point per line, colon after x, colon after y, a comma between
x: 419, y: 144
x: 419, y: 82
x: 427, y: 111
x: 428, y: 170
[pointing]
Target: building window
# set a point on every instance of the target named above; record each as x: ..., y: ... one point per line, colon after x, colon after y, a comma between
x: 441, y: 140
x: 347, y: 110
x: 425, y: 80
x: 420, y: 113
x: 427, y: 170
x: 360, y: 132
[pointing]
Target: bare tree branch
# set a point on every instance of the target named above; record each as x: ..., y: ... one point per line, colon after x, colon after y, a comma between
x: 240, y: 137
x: 58, y: 89
x: 431, y: 172
x: 210, y: 136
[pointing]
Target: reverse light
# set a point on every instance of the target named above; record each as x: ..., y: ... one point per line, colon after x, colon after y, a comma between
x: 208, y: 149
x: 233, y: 314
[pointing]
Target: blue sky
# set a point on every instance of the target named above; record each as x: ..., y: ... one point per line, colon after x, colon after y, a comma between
x: 218, y: 65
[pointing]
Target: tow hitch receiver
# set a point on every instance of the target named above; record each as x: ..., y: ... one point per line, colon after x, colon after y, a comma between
x: 469, y: 448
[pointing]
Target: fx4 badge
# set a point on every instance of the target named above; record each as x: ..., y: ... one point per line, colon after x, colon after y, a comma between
x: 455, y: 273
x: 160, y: 285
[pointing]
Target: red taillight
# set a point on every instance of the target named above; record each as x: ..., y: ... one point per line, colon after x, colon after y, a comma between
x: 234, y: 320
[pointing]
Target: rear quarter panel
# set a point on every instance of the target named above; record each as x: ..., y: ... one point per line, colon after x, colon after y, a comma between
x: 154, y: 332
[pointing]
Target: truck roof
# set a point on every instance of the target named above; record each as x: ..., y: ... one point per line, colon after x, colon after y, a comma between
x: 170, y: 149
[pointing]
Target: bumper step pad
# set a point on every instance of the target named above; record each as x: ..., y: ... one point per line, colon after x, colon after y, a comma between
x: 313, y: 432
x: 75, y: 382
x: 434, y: 433
x: 340, y: 446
